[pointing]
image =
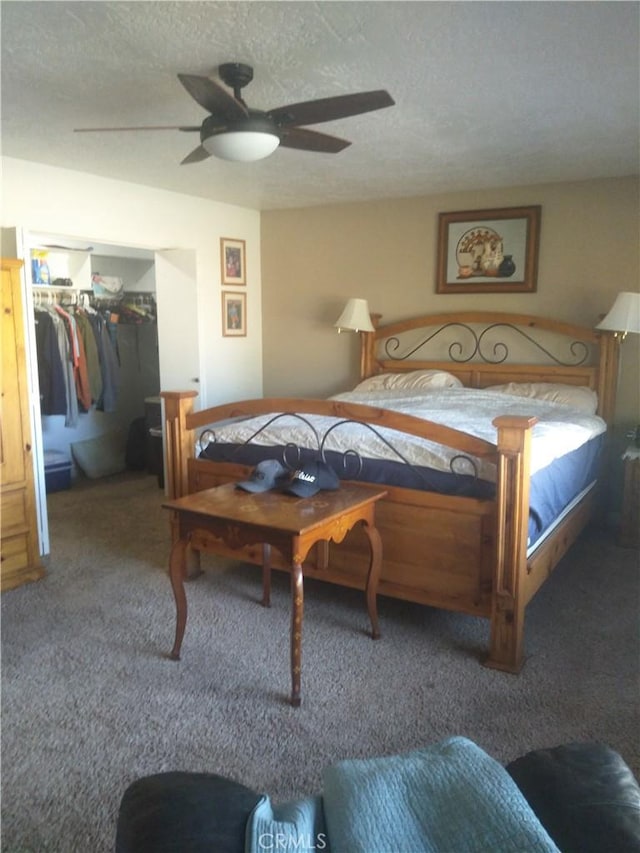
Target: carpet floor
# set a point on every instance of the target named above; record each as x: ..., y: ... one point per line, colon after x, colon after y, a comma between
x: 91, y: 701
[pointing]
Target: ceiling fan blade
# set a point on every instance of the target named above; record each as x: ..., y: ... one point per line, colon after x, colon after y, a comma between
x: 212, y: 96
x: 198, y: 154
x: 329, y: 109
x: 311, y: 140
x: 158, y: 127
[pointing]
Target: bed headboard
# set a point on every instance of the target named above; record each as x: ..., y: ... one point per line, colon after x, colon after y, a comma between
x: 486, y: 348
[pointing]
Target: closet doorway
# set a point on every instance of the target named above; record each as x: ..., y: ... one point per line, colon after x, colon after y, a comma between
x: 94, y: 418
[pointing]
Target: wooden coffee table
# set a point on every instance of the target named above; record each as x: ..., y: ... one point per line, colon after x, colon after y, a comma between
x: 292, y: 525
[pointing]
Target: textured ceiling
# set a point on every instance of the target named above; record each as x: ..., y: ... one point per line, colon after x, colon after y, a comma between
x: 487, y: 94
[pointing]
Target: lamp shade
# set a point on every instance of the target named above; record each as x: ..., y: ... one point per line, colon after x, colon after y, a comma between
x: 242, y: 145
x: 624, y: 315
x: 355, y: 317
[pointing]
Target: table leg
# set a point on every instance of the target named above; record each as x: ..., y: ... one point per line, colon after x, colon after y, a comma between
x: 177, y: 562
x: 297, y: 608
x: 375, y: 567
x: 192, y: 562
x: 266, y: 575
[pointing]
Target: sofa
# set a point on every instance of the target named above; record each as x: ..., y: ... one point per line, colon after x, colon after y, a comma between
x: 583, y: 795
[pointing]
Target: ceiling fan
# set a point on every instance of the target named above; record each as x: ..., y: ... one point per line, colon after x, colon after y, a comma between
x: 233, y: 131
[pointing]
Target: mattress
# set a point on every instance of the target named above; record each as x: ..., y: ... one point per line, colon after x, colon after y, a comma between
x: 565, y: 450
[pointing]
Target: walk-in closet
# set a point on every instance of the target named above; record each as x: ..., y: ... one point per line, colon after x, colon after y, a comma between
x: 95, y: 335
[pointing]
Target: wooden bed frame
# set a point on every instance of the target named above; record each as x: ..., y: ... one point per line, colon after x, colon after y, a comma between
x: 463, y: 554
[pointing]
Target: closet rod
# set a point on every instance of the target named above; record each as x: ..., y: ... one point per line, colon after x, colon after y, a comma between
x: 53, y: 294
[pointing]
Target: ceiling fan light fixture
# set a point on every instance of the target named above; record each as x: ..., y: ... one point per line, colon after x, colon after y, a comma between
x: 243, y: 140
x: 242, y: 145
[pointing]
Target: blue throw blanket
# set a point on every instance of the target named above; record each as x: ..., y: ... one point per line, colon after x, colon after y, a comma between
x: 448, y: 798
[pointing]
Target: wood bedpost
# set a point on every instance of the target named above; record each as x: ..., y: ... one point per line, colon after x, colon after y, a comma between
x: 368, y: 349
x: 608, y: 375
x: 179, y: 440
x: 506, y: 648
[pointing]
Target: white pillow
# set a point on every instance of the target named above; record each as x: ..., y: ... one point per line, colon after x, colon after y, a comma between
x: 413, y: 379
x: 576, y: 396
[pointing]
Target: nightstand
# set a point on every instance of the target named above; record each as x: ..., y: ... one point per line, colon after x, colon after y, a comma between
x: 629, y: 534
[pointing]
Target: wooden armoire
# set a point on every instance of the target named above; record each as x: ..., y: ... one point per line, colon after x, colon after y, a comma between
x: 19, y: 553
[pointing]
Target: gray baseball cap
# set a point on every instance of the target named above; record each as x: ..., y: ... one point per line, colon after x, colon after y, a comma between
x: 267, y: 474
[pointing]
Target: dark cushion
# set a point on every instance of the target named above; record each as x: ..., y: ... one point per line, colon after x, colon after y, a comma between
x: 585, y: 796
x: 180, y: 812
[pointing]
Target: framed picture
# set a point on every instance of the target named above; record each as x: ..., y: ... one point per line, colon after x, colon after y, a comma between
x: 488, y: 251
x: 232, y: 259
x: 234, y: 314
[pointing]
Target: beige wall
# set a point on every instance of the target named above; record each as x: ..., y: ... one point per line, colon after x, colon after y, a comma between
x: 313, y: 259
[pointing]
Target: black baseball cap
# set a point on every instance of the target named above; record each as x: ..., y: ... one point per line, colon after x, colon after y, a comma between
x: 312, y: 478
x: 266, y: 475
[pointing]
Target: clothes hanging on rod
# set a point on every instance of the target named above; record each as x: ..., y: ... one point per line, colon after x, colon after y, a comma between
x: 77, y: 362
x: 77, y: 347
x: 131, y: 307
x: 92, y: 356
x: 51, y: 363
x: 139, y: 308
x: 78, y: 373
x: 107, y: 344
